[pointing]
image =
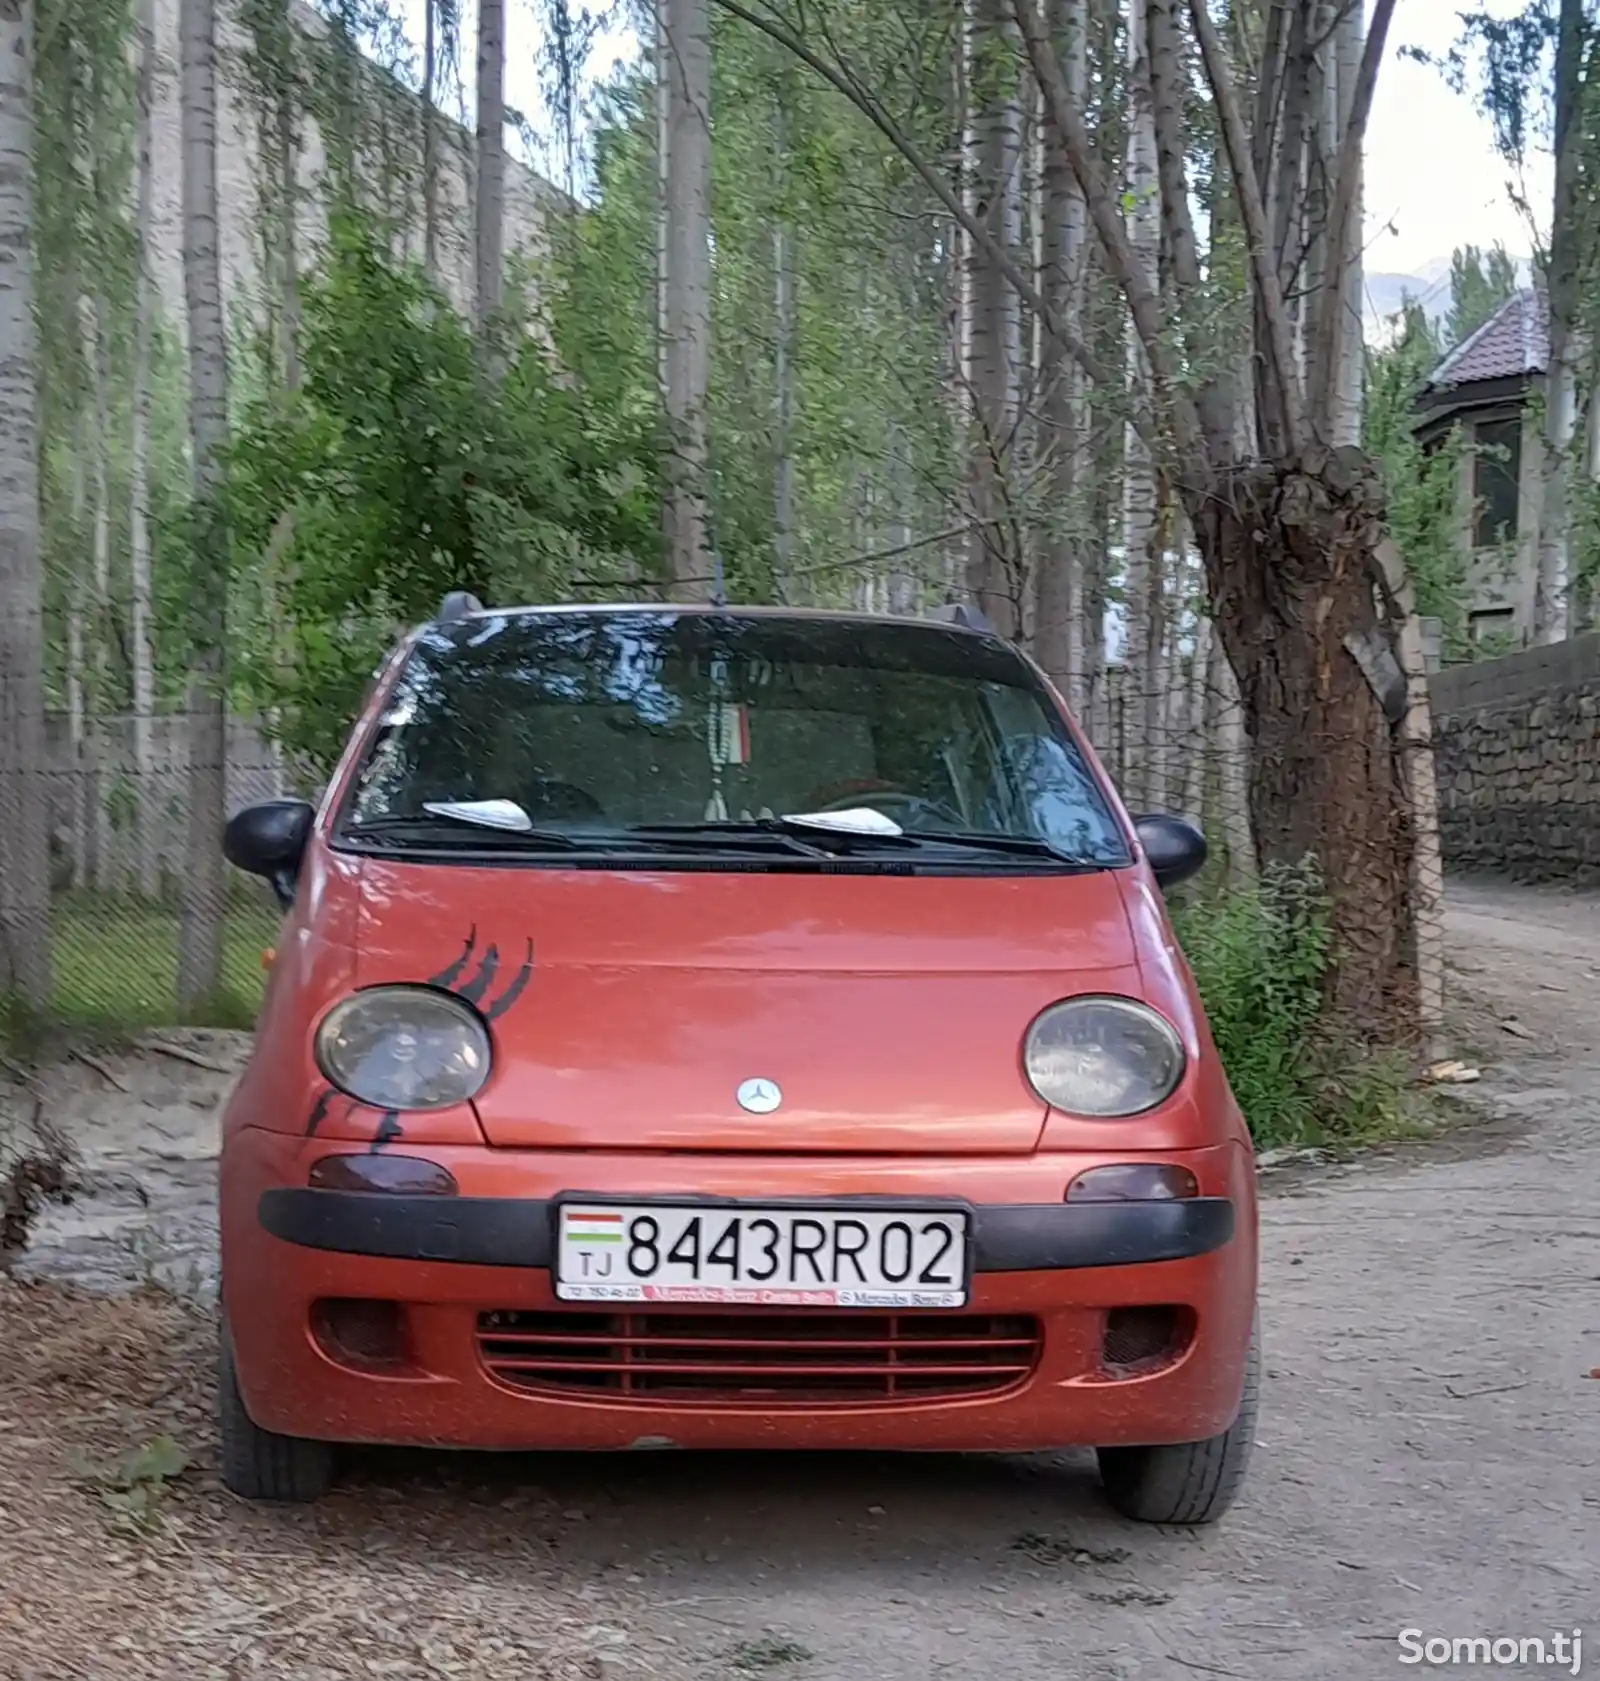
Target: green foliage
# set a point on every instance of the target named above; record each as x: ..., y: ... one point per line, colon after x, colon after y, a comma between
x: 1509, y: 54
x: 1422, y: 483
x: 1585, y: 556
x: 1479, y: 283
x: 133, y: 1486
x: 1260, y: 957
x: 871, y: 440
x: 397, y: 474
x: 767, y: 1652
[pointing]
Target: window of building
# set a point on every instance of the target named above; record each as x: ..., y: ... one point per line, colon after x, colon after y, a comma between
x: 1493, y: 630
x: 1496, y: 468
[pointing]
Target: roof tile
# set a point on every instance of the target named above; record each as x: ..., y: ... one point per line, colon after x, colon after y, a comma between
x: 1514, y: 340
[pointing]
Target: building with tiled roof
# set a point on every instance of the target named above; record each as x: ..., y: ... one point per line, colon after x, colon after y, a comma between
x: 1480, y: 393
x: 1512, y: 344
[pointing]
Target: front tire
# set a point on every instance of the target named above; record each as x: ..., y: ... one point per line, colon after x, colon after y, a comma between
x: 259, y: 1464
x: 1187, y: 1482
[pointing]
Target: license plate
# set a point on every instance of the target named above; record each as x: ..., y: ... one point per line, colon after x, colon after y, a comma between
x: 748, y: 1255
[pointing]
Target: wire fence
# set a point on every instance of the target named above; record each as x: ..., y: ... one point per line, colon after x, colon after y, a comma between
x: 117, y: 796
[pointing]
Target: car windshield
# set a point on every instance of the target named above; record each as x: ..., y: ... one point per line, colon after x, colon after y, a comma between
x: 606, y: 724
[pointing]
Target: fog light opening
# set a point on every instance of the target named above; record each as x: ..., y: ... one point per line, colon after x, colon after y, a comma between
x: 405, y: 1176
x: 368, y: 1336
x: 1144, y: 1339
x: 1134, y: 1182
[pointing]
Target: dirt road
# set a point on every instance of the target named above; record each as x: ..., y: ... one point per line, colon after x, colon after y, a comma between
x: 1429, y: 1453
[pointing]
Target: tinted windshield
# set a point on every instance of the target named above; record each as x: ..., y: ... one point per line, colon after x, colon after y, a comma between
x: 605, y: 722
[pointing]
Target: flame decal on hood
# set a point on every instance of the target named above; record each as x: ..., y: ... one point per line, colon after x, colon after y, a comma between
x: 478, y: 989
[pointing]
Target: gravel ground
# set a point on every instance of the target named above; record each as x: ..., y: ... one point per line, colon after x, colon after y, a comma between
x: 1428, y: 1443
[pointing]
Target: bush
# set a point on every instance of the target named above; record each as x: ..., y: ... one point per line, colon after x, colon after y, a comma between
x: 1260, y: 958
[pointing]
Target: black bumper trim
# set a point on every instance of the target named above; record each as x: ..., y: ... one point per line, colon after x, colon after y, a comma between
x: 511, y: 1232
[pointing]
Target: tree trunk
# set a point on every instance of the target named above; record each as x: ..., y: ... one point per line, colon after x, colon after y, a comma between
x: 204, y: 900
x: 99, y: 664
x: 141, y: 653
x: 1141, y: 494
x: 993, y: 566
x: 684, y: 73
x: 24, y: 849
x: 490, y: 207
x: 959, y: 271
x: 1060, y: 613
x: 76, y: 686
x: 1550, y: 605
x: 1233, y: 768
x: 1348, y: 368
x: 1427, y: 865
x: 1291, y: 559
x: 430, y: 139
x: 783, y: 270
x: 1197, y: 724
x: 288, y: 147
x: 343, y: 128
x: 1322, y: 147
x: 902, y: 581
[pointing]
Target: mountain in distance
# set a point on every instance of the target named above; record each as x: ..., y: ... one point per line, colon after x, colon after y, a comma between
x: 1430, y: 286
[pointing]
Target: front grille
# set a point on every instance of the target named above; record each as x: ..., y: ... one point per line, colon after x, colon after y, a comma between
x: 763, y: 1359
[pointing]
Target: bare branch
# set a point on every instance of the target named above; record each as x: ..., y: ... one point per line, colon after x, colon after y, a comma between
x: 838, y: 77
x: 1329, y: 311
x: 1143, y: 303
x: 1290, y: 418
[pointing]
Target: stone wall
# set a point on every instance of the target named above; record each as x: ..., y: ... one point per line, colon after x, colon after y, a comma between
x: 1517, y: 752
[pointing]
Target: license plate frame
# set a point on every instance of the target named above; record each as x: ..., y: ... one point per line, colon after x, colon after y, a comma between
x: 828, y: 1297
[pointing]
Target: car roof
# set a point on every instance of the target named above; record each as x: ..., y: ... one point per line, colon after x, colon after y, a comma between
x: 713, y: 610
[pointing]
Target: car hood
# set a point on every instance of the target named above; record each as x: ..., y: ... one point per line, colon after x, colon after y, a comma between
x: 628, y: 1008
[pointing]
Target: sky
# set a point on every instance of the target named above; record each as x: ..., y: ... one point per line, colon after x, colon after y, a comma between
x: 1433, y: 179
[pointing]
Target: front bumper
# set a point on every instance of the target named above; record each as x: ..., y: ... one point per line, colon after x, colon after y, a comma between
x: 518, y: 1232
x: 449, y: 1262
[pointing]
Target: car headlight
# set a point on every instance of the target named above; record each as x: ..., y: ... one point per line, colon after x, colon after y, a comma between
x: 1103, y: 1057
x: 404, y: 1047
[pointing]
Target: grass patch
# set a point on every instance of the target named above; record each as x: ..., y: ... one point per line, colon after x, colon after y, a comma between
x: 116, y: 965
x: 769, y: 1652
x: 1260, y: 957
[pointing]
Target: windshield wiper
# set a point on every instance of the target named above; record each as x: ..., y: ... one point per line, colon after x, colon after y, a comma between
x: 821, y: 842
x: 988, y: 840
x: 455, y: 831
x: 745, y: 832
x: 464, y: 834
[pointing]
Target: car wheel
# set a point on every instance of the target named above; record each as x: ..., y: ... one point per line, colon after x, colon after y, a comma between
x: 1187, y: 1482
x: 259, y: 1464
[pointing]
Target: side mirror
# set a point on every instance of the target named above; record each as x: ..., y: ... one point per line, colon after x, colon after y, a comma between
x: 269, y: 839
x: 1176, y: 849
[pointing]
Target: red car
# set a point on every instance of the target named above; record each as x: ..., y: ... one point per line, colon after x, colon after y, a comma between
x: 731, y: 1028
